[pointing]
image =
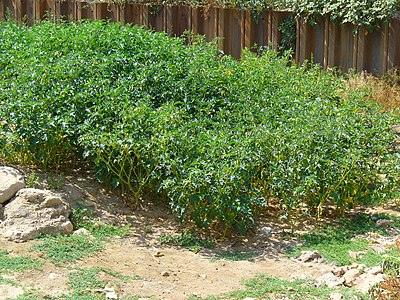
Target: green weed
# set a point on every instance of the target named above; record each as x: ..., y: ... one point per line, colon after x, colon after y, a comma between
x: 264, y: 287
x: 18, y: 263
x: 63, y: 249
x: 86, y: 285
x: 336, y: 241
x: 55, y: 182
x: 187, y: 240
x: 235, y: 256
x: 32, y: 180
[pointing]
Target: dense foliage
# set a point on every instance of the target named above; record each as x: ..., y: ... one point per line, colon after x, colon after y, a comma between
x: 217, y: 137
x: 370, y: 13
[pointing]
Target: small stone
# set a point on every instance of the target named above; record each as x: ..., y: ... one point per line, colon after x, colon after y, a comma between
x: 111, y: 295
x: 51, y: 201
x: 267, y: 230
x: 350, y: 276
x: 290, y: 289
x: 53, y: 276
x: 357, y: 254
x: 309, y: 256
x: 158, y: 254
x: 204, y: 276
x: 396, y: 129
x: 165, y: 274
x: 82, y: 231
x: 374, y: 270
x: 336, y: 296
x: 330, y: 280
x: 382, y: 223
x: 301, y: 277
x: 339, y: 271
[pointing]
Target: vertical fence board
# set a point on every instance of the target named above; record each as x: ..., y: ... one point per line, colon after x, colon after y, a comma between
x: 333, y: 50
x: 385, y: 46
x: 227, y: 47
x: 317, y: 43
x: 236, y: 33
x: 183, y: 20
x: 2, y: 11
x: 211, y: 24
x: 394, y: 43
x: 221, y: 29
x: 360, y: 50
x: 156, y: 18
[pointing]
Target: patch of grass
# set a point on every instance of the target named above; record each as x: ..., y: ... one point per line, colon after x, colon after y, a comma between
x: 32, y: 180
x: 235, y: 256
x: 334, y: 241
x: 187, y: 240
x: 62, y: 249
x: 19, y: 263
x: 55, y: 182
x: 82, y: 217
x: 117, y: 275
x: 264, y: 287
x: 87, y: 286
x: 31, y: 294
x: 7, y: 281
x: 85, y: 280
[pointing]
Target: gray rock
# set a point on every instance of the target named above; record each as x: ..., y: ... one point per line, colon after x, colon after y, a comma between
x: 267, y: 230
x: 339, y: 271
x: 330, y: 280
x: 310, y: 256
x: 336, y: 296
x: 374, y: 270
x: 350, y: 277
x: 83, y: 231
x: 11, y: 181
x: 382, y: 223
x: 396, y: 128
x: 35, y: 212
x: 366, y: 281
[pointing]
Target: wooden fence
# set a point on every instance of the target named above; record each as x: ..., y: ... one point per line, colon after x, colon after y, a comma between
x: 327, y: 43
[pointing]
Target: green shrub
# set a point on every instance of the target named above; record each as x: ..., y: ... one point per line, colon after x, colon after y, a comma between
x: 218, y: 137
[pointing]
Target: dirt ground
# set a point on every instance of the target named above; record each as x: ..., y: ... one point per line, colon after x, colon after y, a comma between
x: 164, y: 272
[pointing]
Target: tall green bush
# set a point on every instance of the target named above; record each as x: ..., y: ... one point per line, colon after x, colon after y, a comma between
x: 219, y: 138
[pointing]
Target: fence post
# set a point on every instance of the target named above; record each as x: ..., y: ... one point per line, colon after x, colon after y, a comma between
x: 385, y: 50
x: 360, y: 50
x: 394, y: 42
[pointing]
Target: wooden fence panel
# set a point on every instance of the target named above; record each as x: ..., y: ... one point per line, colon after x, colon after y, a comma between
x: 394, y: 43
x: 329, y: 44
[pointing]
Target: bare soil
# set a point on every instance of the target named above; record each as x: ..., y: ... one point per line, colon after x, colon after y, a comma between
x: 161, y: 271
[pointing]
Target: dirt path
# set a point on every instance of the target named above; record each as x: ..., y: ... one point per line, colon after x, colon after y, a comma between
x: 164, y: 272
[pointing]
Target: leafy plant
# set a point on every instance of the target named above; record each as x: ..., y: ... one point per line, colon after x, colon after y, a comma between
x: 32, y: 180
x: 217, y: 138
x: 55, y: 182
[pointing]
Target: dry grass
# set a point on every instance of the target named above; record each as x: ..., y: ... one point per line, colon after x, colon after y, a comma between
x: 384, y: 90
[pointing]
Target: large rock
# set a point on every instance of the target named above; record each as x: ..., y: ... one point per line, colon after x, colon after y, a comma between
x: 310, y: 256
x: 11, y: 181
x: 366, y: 281
x: 35, y: 212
